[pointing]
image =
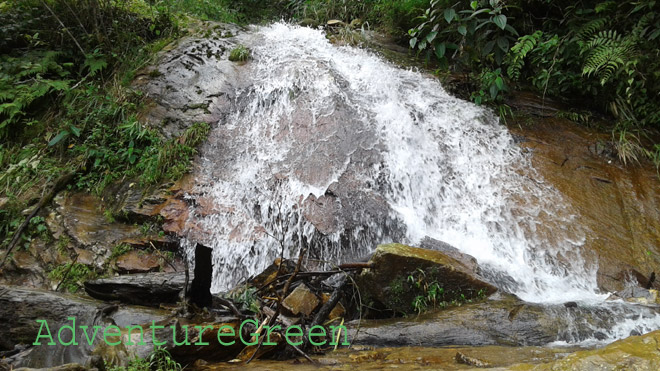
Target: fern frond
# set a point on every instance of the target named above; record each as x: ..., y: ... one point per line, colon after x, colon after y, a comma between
x: 608, y: 37
x: 606, y: 59
x: 590, y: 28
x: 517, y: 53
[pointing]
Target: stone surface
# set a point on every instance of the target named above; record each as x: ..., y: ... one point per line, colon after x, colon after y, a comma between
x: 136, y: 261
x: 638, y: 295
x: 389, y: 281
x: 498, y: 321
x: 301, y: 301
x: 194, y: 82
x: 150, y: 289
x: 639, y: 353
x: 20, y: 308
x: 618, y: 205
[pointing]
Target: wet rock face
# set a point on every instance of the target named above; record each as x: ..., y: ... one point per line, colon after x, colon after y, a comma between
x: 150, y: 289
x: 400, y: 274
x: 500, y: 320
x: 138, y: 262
x: 192, y: 83
x: 618, y: 204
x: 20, y: 308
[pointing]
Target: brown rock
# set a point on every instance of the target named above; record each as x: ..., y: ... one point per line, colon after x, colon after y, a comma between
x: 618, y: 206
x: 337, y: 312
x: 301, y: 300
x: 175, y: 213
x: 136, y: 261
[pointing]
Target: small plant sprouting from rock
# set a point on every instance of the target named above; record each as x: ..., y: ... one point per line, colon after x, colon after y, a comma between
x: 433, y: 296
x: 120, y: 250
x: 239, y: 54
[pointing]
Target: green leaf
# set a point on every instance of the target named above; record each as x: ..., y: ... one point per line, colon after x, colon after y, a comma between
x: 58, y: 138
x: 474, y: 5
x: 450, y: 13
x: 413, y: 42
x: 500, y: 20
x: 440, y: 50
x: 503, y: 43
x: 493, y: 91
x: 462, y: 30
x: 431, y: 36
x: 74, y: 130
x: 499, y: 82
x: 488, y: 48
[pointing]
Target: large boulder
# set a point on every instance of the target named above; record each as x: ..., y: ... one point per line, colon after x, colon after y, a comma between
x: 406, y: 279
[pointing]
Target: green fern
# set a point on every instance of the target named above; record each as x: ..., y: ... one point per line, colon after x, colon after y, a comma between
x: 590, y: 28
x: 517, y: 54
x: 607, y: 52
x: 23, y: 81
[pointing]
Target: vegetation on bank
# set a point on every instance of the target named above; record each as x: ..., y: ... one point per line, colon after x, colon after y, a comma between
x: 600, y: 55
x: 66, y: 101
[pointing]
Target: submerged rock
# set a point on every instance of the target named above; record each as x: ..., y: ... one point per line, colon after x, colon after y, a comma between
x: 634, y: 353
x: 401, y: 275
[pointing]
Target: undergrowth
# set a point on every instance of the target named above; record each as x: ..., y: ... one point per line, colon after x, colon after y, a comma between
x: 66, y: 101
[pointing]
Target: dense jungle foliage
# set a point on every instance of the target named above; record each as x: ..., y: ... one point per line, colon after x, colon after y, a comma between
x: 67, y: 106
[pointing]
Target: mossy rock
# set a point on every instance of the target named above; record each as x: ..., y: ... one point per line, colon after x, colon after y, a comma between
x: 403, y: 274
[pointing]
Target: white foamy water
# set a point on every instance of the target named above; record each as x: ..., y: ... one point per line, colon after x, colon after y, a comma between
x: 312, y: 115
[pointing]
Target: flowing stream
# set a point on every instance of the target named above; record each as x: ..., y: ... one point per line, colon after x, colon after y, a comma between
x: 335, y: 149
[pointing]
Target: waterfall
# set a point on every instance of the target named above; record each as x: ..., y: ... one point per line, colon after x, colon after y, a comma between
x: 333, y: 148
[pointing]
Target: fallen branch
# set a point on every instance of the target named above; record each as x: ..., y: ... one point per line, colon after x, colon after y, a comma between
x: 66, y: 274
x: 325, y: 310
x: 60, y: 183
x: 226, y: 303
x: 285, y: 291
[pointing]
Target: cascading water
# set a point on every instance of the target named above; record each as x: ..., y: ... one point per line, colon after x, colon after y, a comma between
x: 334, y: 149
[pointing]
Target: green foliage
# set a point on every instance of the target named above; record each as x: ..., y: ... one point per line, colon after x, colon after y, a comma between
x: 475, y: 34
x: 491, y: 87
x: 246, y: 296
x: 600, y: 54
x: 517, y: 54
x: 72, y: 276
x: 239, y: 54
x: 66, y: 104
x: 23, y: 82
x: 159, y: 360
x: 431, y: 294
x: 119, y: 250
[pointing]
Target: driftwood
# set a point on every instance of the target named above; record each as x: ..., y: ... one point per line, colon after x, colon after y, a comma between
x: 60, y: 183
x: 280, y: 298
x: 325, y: 310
